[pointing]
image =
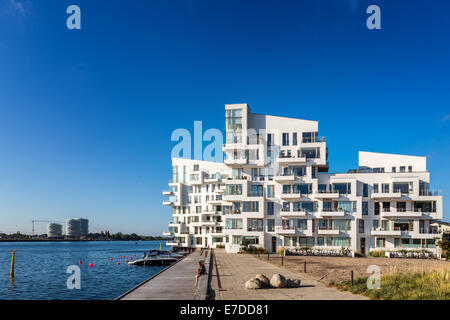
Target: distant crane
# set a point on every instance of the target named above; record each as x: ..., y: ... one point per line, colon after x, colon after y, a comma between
x: 32, y: 225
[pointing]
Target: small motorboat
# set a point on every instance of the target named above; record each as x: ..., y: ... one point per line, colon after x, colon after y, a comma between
x: 157, y: 258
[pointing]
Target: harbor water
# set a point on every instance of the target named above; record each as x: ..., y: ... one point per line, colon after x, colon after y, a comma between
x: 41, y: 269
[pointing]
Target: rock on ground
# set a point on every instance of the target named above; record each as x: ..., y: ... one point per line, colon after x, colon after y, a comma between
x: 278, y: 281
x: 293, y: 283
x: 253, y: 284
x: 265, y: 282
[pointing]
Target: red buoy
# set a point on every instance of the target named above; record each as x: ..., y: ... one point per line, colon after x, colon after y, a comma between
x: 80, y: 262
x: 118, y: 263
x: 111, y: 259
x: 126, y: 260
x: 131, y: 258
x: 91, y: 265
x: 134, y: 255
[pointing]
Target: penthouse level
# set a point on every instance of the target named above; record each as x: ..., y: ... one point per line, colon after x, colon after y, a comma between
x: 274, y: 190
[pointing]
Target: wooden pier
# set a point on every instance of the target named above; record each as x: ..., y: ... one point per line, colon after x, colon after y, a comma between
x: 176, y: 282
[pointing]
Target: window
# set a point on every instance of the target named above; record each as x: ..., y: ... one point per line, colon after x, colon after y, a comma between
x: 250, y: 206
x: 307, y: 206
x: 308, y: 137
x: 270, y: 139
x: 175, y: 174
x: 294, y: 139
x: 376, y: 224
x: 285, y: 139
x: 302, y: 224
x: 196, y: 167
x: 269, y: 208
x: 365, y: 208
x: 342, y: 188
x: 409, y: 168
x: 381, y: 242
x: 402, y: 169
x: 375, y: 188
x: 233, y: 224
x: 361, y: 226
x: 320, y: 241
x: 255, y: 225
x: 377, y: 208
x: 233, y: 189
x: 385, y: 187
x: 394, y: 169
x: 270, y: 225
x: 270, y: 191
x: 365, y: 190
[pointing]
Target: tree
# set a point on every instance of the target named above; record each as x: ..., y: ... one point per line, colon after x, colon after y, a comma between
x: 445, y: 247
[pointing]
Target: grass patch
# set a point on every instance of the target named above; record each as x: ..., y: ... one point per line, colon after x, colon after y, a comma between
x: 434, y: 285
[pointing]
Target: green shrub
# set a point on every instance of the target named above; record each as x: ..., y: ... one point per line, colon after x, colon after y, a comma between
x: 434, y: 285
x: 220, y: 246
x: 445, y: 247
x: 358, y: 254
x: 378, y: 253
x: 280, y: 251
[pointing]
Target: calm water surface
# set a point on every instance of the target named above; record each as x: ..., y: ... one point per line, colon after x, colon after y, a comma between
x: 40, y: 269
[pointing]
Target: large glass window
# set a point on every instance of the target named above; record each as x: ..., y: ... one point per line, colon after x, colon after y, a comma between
x: 250, y: 206
x: 285, y: 139
x: 233, y: 223
x: 270, y: 210
x: 233, y: 189
x: 270, y: 225
x: 307, y: 206
x: 342, y: 188
x: 255, y: 225
x: 365, y: 208
x: 270, y: 191
x: 294, y: 139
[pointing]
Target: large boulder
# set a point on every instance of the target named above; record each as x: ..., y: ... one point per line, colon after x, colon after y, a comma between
x: 293, y: 283
x: 253, y: 284
x: 265, y: 282
x: 278, y: 281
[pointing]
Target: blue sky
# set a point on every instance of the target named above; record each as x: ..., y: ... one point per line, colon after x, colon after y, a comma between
x: 86, y: 116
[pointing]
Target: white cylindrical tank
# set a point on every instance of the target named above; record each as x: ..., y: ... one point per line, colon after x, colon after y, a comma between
x: 73, y: 228
x: 54, y: 230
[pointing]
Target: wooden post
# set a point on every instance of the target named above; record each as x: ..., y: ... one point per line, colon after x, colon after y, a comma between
x: 267, y: 257
x: 282, y: 260
x: 351, y: 274
x: 304, y: 269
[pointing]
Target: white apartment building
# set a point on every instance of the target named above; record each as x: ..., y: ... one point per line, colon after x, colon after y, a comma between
x: 274, y: 189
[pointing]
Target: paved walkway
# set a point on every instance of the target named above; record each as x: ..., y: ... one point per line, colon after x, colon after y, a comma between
x: 236, y: 269
x: 174, y: 283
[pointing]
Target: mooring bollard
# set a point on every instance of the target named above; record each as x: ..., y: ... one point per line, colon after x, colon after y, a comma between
x: 304, y: 268
x: 267, y: 257
x: 351, y: 274
x: 11, y: 271
x: 282, y: 260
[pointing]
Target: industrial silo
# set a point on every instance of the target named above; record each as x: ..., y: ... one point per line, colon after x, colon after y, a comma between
x: 73, y: 228
x: 54, y: 230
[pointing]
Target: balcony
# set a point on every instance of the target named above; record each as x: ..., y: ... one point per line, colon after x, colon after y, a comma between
x: 285, y: 230
x: 329, y: 213
x: 293, y: 214
x: 327, y: 194
x: 282, y: 159
x: 168, y: 203
x: 168, y: 193
x: 387, y: 195
x: 430, y: 193
x: 294, y: 195
x: 327, y: 231
x: 401, y: 214
x: 285, y: 178
x: 382, y: 232
x: 168, y: 234
x: 236, y: 161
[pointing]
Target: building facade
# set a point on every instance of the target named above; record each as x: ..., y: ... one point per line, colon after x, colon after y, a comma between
x: 274, y: 190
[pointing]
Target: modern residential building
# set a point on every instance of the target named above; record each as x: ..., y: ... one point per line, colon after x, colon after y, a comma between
x: 274, y: 189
